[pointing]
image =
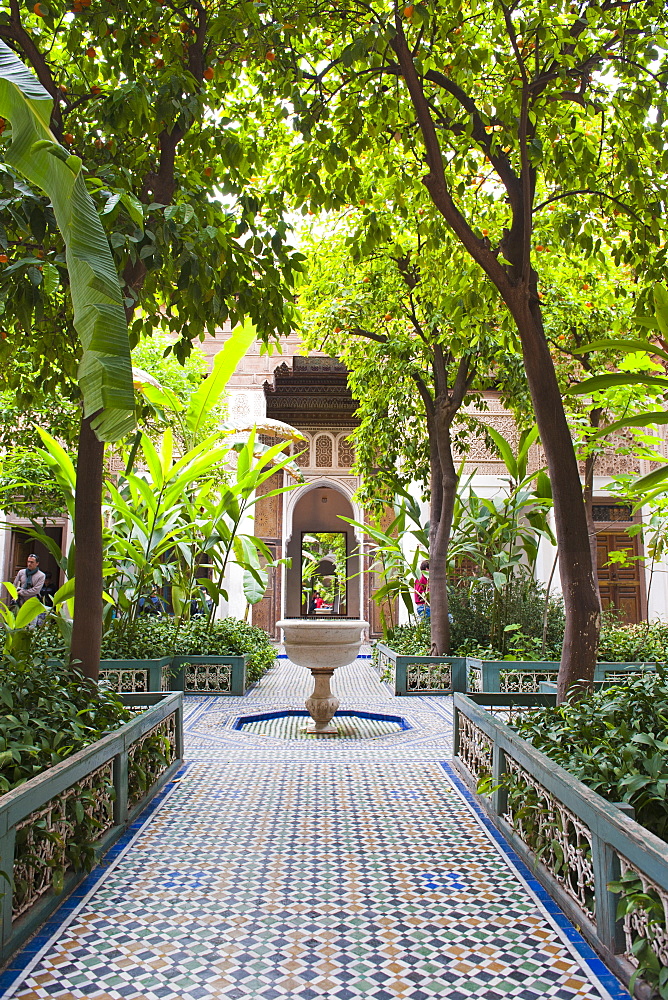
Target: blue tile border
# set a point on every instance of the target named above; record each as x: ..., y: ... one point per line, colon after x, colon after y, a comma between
x: 360, y: 656
x: 243, y: 720
x: 595, y: 965
x: 19, y: 962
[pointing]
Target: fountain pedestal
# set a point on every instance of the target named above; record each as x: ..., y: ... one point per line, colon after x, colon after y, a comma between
x: 322, y: 704
x: 322, y: 645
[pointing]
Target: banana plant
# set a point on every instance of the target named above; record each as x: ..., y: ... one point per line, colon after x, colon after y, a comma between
x: 387, y: 553
x: 180, y: 515
x: 105, y: 376
x: 14, y: 624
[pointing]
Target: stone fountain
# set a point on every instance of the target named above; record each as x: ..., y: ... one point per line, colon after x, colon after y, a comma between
x: 322, y: 645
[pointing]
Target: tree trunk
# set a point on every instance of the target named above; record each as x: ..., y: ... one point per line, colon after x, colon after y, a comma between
x: 590, y: 461
x: 446, y: 476
x: 87, y: 627
x: 582, y: 607
x: 589, y: 513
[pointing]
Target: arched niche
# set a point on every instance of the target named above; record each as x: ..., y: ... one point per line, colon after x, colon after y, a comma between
x: 316, y: 508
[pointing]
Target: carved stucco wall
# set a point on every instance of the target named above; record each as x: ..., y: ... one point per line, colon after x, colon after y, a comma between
x: 486, y: 463
x: 324, y: 450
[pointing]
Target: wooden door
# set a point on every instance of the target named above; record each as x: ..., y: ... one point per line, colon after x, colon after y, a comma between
x: 268, y: 527
x: 620, y: 586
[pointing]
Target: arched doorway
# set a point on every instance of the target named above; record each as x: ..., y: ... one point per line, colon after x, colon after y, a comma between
x: 324, y: 576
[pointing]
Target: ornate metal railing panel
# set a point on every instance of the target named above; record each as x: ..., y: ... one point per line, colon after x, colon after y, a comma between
x: 475, y: 749
x: 203, y: 677
x: 41, y: 848
x: 648, y: 921
x: 125, y: 679
x: 526, y: 681
x: 150, y: 757
x: 428, y: 676
x: 55, y: 826
x: 552, y: 832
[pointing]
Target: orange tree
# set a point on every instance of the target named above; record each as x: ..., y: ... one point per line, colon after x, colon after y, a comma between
x: 150, y: 98
x: 524, y: 105
x: 416, y: 350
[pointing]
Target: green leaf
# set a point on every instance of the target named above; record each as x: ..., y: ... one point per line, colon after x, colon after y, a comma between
x: 504, y: 450
x: 641, y: 420
x: 28, y: 612
x: 255, y: 585
x: 600, y: 382
x: 651, y: 480
x: 661, y: 307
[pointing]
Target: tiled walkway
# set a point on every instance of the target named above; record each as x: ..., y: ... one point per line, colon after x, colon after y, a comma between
x: 309, y: 869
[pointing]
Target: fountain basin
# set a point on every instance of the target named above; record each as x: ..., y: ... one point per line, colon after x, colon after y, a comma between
x: 322, y: 645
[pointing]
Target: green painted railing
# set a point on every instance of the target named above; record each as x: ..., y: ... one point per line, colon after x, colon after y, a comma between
x: 526, y: 676
x: 100, y: 789
x: 412, y: 674
x: 221, y: 673
x: 574, y: 841
x: 409, y: 674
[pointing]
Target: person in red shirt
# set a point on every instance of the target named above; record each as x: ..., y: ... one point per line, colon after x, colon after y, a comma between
x: 421, y: 588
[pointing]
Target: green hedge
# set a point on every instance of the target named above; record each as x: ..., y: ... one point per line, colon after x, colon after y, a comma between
x: 49, y: 713
x: 149, y: 638
x: 615, y: 741
x: 619, y: 643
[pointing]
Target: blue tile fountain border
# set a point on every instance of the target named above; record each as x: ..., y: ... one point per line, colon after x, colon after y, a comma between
x: 243, y: 720
x: 19, y: 962
x: 595, y: 965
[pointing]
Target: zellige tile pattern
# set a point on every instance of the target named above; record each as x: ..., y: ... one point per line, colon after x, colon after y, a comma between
x: 298, y: 868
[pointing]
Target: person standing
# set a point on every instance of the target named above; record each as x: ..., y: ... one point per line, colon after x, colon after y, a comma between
x: 421, y: 589
x: 29, y: 581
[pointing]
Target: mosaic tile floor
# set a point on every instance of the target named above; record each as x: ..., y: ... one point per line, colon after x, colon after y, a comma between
x: 279, y: 869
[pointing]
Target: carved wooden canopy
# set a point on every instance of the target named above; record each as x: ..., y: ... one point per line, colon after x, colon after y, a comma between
x: 314, y: 391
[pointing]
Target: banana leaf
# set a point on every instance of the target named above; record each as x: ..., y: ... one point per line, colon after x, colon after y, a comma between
x: 105, y: 371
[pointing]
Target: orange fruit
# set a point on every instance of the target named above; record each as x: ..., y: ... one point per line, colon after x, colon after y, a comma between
x: 90, y: 52
x: 270, y: 55
x: 68, y: 138
x: 95, y: 91
x: 40, y: 10
x: 408, y: 11
x: 4, y: 259
x: 159, y: 63
x: 208, y: 171
x: 208, y: 73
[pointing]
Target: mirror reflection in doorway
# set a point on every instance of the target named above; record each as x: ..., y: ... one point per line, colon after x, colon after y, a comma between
x: 324, y: 573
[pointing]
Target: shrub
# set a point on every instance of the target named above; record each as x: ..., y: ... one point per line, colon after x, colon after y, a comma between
x: 149, y: 638
x: 615, y: 741
x: 470, y: 612
x: 474, y: 606
x: 629, y: 643
x: 51, y: 712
